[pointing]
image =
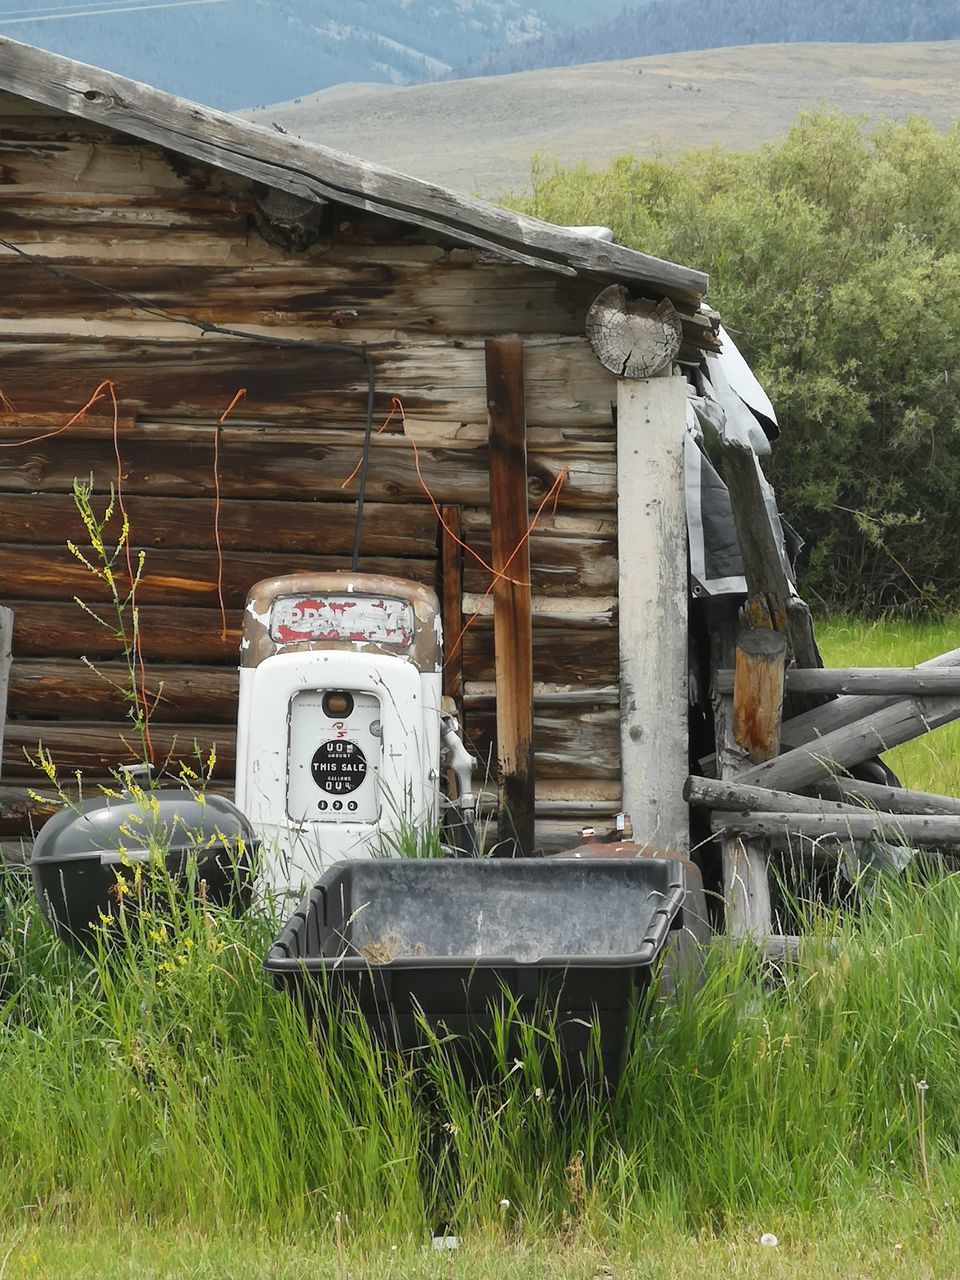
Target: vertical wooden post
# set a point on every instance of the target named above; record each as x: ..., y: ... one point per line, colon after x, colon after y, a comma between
x: 512, y: 618
x: 761, y: 660
x: 746, y: 882
x: 651, y: 514
x: 6, y: 652
x: 451, y: 600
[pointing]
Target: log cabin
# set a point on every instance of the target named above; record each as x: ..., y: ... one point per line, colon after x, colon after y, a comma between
x: 276, y: 358
x: 183, y: 261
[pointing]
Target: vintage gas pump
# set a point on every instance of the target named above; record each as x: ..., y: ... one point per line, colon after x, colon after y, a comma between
x: 340, y: 720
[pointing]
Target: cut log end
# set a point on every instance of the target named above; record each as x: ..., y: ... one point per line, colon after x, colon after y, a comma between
x: 633, y: 338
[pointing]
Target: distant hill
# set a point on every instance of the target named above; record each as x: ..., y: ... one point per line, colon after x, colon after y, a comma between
x: 662, y: 26
x: 236, y: 53
x: 479, y: 134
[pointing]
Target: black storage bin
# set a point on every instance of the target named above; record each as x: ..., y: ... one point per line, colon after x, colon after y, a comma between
x: 80, y: 853
x: 447, y: 941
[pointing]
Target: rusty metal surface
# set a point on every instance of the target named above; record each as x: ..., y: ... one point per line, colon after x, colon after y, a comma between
x: 257, y: 642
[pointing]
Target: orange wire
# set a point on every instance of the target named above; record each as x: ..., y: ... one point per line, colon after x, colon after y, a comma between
x: 6, y: 404
x: 554, y: 493
x: 395, y: 407
x: 239, y: 395
x: 48, y: 435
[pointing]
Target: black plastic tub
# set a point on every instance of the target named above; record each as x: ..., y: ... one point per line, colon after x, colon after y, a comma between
x: 450, y: 942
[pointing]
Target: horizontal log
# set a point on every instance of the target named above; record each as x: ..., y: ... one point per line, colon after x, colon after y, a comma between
x: 21, y: 816
x: 885, y: 681
x: 570, y: 650
x: 571, y: 654
x: 175, y: 577
x: 101, y: 748
x: 349, y: 289
x: 872, y: 795
x: 318, y: 528
x: 197, y: 375
x: 44, y: 630
x: 585, y: 744
x: 583, y: 747
x: 730, y: 796
x: 48, y: 688
x: 837, y: 751
x: 900, y: 828
x: 560, y: 564
x: 257, y: 463
x: 842, y: 711
x: 51, y: 689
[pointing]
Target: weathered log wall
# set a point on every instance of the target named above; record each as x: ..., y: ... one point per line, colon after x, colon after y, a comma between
x: 196, y: 243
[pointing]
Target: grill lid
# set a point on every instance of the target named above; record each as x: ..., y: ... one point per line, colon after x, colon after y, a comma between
x: 171, y: 820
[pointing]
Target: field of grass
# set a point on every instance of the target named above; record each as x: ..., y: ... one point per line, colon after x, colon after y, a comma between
x: 164, y: 1112
x: 932, y: 763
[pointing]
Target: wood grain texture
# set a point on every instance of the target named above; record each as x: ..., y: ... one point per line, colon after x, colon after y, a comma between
x: 872, y: 795
x: 853, y: 743
x: 884, y: 682
x: 513, y: 619
x: 66, y: 688
x: 758, y: 692
x: 265, y: 463
x: 263, y: 525
x: 317, y: 173
x: 653, y: 608
x: 901, y: 828
x: 730, y: 795
x: 180, y: 577
x: 176, y: 371
x: 633, y: 337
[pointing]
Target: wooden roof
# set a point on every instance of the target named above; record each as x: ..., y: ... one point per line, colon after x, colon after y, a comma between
x: 319, y: 173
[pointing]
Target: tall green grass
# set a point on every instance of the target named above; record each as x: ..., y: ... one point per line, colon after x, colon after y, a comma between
x: 163, y: 1085
x: 166, y: 1083
x: 931, y: 763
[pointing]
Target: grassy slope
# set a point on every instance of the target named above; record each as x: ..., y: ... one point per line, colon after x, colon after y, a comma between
x: 479, y: 134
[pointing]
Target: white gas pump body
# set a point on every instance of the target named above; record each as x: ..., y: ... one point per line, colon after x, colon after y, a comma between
x: 338, y: 734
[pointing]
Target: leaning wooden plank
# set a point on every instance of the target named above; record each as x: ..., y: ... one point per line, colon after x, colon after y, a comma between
x: 851, y: 745
x: 732, y: 795
x: 763, y: 565
x: 900, y: 828
x: 834, y: 715
x: 318, y: 173
x: 873, y: 795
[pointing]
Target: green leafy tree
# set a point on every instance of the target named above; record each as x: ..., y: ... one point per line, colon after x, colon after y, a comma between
x: 834, y: 258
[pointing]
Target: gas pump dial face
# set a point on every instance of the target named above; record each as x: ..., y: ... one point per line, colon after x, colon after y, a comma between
x: 334, y: 760
x: 338, y: 767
